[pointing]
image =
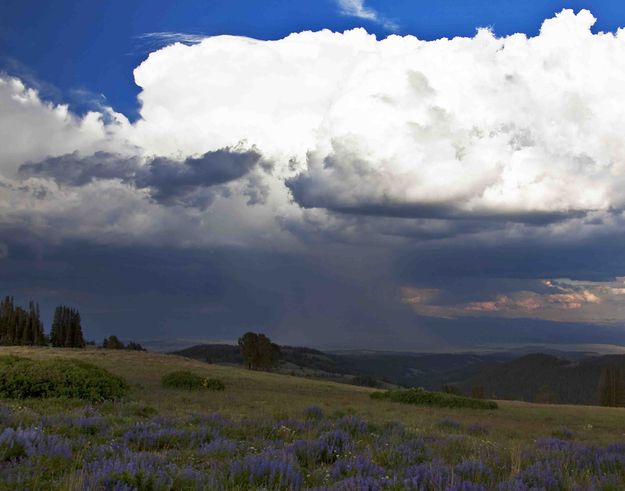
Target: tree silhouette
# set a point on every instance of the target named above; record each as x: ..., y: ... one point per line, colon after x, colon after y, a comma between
x: 258, y: 352
x: 18, y: 326
x: 66, y: 331
x: 113, y: 342
x: 612, y: 387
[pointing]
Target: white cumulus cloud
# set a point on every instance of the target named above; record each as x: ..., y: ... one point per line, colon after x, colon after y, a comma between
x: 480, y: 126
x: 32, y: 129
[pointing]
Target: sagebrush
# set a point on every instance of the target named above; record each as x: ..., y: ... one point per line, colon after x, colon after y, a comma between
x: 184, y: 379
x: 437, y: 399
x: 22, y: 378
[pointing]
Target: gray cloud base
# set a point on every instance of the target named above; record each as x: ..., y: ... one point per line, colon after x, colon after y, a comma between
x: 168, y: 180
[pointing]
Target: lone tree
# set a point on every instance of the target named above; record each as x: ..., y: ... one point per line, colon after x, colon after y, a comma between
x: 113, y: 342
x: 66, y: 331
x: 612, y: 387
x: 258, y: 352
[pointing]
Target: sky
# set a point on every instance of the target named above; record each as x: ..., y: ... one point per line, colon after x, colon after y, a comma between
x: 412, y: 175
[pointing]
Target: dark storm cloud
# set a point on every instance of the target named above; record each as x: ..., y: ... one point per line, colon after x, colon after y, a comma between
x: 74, y: 170
x: 308, y: 193
x: 332, y: 301
x: 151, y: 292
x: 594, y: 260
x: 168, y: 180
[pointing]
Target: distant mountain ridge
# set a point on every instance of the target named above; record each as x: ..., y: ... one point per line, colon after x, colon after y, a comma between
x: 569, y: 381
x: 569, y: 377
x: 300, y: 361
x: 370, y: 368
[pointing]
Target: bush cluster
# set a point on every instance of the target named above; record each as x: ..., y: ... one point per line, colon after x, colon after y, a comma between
x: 438, y: 399
x: 22, y: 378
x: 183, y: 379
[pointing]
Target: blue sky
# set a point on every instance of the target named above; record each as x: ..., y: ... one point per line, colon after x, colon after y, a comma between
x: 329, y: 188
x: 82, y: 50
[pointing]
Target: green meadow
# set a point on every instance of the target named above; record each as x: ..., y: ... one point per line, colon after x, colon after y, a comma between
x: 286, y: 421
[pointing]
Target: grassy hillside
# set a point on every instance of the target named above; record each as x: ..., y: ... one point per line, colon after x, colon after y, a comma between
x: 284, y: 433
x: 569, y: 381
x: 251, y: 393
x: 369, y: 368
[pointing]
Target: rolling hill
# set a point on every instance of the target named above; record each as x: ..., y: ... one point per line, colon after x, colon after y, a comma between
x: 569, y: 377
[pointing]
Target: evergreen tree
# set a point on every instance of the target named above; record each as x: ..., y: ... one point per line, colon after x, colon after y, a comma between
x: 57, y: 335
x: 7, y: 320
x: 19, y: 335
x: 135, y: 346
x: 66, y: 331
x: 612, y: 387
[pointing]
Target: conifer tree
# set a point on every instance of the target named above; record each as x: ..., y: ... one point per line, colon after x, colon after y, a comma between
x: 7, y: 320
x: 612, y: 387
x: 66, y: 328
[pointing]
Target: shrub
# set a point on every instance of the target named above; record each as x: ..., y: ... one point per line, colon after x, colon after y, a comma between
x: 438, y: 399
x: 22, y: 378
x: 183, y: 379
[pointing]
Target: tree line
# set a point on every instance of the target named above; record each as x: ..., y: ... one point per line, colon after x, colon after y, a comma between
x: 23, y: 327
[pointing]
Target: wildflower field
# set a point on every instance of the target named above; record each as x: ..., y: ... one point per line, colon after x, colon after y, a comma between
x: 267, y: 431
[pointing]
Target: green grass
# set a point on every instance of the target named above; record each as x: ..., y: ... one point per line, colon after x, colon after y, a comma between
x: 253, y: 394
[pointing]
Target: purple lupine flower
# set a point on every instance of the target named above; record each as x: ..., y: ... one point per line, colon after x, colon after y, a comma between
x: 33, y: 442
x: 478, y: 429
x: 410, y: 452
x: 357, y: 466
x: 359, y: 483
x: 271, y: 471
x: 214, y: 420
x: 558, y: 445
x: 313, y: 412
x: 156, y: 437
x: 130, y: 471
x: 219, y: 446
x: 352, y: 425
x: 307, y: 452
x: 466, y: 486
x: 473, y: 471
x: 541, y: 475
x: 432, y: 475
